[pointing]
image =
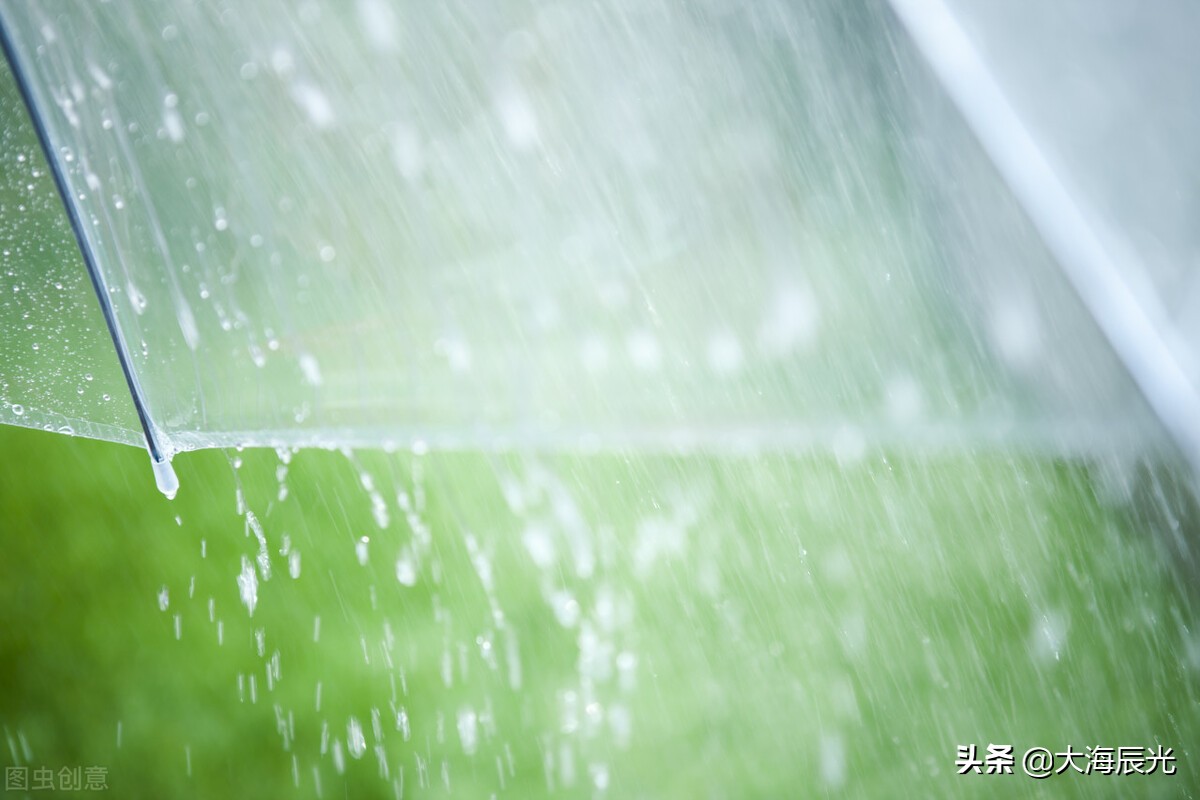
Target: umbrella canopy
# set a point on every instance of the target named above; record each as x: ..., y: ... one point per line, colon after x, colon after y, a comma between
x: 635, y: 223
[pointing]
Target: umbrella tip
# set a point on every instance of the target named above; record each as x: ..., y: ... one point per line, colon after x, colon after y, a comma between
x: 165, y: 477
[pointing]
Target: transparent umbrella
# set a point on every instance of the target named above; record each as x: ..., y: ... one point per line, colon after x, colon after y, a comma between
x: 627, y: 224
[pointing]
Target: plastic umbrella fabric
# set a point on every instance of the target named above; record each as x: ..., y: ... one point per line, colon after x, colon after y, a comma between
x: 635, y: 223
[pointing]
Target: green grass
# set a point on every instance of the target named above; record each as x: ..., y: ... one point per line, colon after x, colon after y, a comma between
x: 768, y: 609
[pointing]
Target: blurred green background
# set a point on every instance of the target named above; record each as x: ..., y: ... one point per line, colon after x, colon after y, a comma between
x: 635, y: 626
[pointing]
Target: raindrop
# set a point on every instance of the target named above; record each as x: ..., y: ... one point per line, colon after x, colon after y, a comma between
x: 833, y: 760
x: 355, y: 741
x: 310, y: 369
x: 402, y: 724
x: 468, y: 730
x: 315, y: 105
x: 406, y: 570
x: 724, y: 353
x: 791, y: 321
x: 645, y: 351
x: 248, y: 585
x: 517, y: 118
x: 379, y: 24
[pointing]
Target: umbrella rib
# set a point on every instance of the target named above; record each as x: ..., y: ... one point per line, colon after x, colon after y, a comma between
x: 1131, y: 323
x: 157, y: 452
